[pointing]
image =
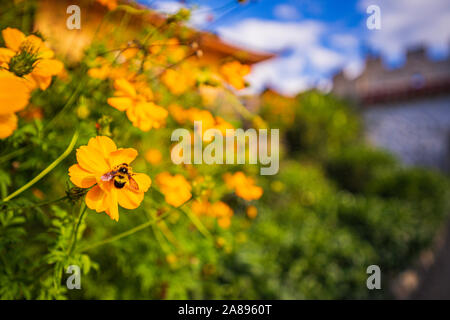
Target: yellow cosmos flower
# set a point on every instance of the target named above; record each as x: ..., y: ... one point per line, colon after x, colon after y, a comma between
x: 176, y: 189
x: 219, y: 210
x: 178, y: 81
x: 107, y: 170
x: 135, y: 101
x: 252, y: 212
x: 153, y: 156
x: 243, y: 186
x: 29, y: 57
x: 234, y: 73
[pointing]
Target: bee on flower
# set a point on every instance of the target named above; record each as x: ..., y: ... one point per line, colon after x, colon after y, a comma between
x: 106, y: 170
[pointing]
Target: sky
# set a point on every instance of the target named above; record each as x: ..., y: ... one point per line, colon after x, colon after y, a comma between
x: 314, y: 39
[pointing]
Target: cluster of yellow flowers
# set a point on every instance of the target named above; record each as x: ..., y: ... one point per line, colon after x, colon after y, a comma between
x: 219, y: 210
x: 243, y: 186
x: 25, y: 64
x: 136, y: 100
x: 234, y: 72
x: 176, y: 189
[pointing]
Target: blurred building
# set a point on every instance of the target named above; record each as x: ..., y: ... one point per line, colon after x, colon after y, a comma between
x: 51, y: 17
x: 407, y: 109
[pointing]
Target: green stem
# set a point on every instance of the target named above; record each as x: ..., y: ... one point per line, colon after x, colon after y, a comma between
x: 83, y: 208
x: 45, y: 203
x: 46, y: 170
x: 126, y: 233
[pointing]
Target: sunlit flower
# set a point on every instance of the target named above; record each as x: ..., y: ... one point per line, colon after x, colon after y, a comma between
x: 167, y: 50
x: 243, y: 186
x: 178, y: 81
x: 110, y: 4
x: 153, y: 156
x: 176, y: 189
x: 106, y: 170
x: 135, y: 100
x: 29, y: 57
x: 219, y: 210
x: 234, y: 73
x: 252, y: 212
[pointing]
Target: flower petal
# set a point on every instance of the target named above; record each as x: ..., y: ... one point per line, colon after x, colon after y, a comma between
x: 120, y: 103
x: 144, y: 182
x: 8, y: 123
x: 95, y: 199
x: 129, y: 199
x: 48, y: 67
x: 122, y: 156
x: 13, y: 38
x: 6, y: 54
x: 113, y: 210
x: 80, y: 177
x: 124, y: 86
x: 104, y: 144
x: 14, y: 93
x: 92, y: 160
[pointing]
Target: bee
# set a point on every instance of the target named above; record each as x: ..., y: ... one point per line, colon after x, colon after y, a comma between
x: 121, y: 175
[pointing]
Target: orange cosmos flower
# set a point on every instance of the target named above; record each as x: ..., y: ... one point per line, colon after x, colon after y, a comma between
x: 135, y: 100
x: 234, y: 73
x: 243, y: 186
x: 175, y: 188
x: 29, y: 57
x: 107, y: 170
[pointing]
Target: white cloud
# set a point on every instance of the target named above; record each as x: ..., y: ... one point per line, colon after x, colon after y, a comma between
x: 199, y: 15
x: 303, y: 62
x: 406, y: 23
x: 286, y: 12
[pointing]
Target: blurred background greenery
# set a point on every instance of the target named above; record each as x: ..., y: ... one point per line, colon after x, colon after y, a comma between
x: 336, y: 206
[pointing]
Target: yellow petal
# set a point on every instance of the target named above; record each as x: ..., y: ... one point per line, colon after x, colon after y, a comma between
x: 80, y: 177
x: 14, y: 93
x: 124, y: 86
x: 6, y: 54
x: 95, y: 199
x: 129, y: 199
x: 113, y: 210
x: 13, y: 38
x: 8, y: 123
x: 92, y: 160
x: 122, y: 156
x: 120, y: 103
x: 48, y: 67
x: 144, y: 182
x: 104, y: 144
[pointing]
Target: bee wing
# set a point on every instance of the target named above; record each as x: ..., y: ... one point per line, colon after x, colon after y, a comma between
x: 133, y: 184
x: 108, y: 176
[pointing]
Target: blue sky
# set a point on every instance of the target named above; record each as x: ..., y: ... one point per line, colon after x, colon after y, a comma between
x: 316, y: 38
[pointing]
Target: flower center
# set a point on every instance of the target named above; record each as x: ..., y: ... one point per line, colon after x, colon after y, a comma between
x: 24, y: 61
